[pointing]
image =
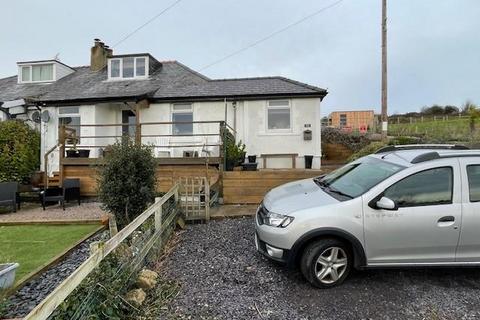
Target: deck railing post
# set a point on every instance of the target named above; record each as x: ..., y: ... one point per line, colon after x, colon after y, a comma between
x: 61, y: 156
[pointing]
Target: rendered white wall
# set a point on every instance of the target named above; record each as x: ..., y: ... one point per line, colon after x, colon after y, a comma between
x: 250, y: 128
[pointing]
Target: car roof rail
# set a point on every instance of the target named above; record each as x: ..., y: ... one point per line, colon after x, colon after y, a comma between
x: 422, y: 146
x: 426, y: 157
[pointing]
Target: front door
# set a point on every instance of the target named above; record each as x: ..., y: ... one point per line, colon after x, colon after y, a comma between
x: 425, y: 226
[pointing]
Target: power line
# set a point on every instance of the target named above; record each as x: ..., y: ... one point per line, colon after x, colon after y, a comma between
x: 146, y: 23
x: 271, y: 35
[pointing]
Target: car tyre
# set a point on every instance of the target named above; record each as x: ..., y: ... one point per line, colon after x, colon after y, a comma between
x: 326, y: 263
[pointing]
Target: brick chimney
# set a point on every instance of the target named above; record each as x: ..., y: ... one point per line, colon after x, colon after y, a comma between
x: 98, y: 55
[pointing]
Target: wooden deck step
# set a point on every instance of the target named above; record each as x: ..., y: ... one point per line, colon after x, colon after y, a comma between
x: 53, y: 181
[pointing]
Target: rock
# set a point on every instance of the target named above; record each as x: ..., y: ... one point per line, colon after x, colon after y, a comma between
x: 136, y: 297
x: 147, y: 279
x: 124, y: 252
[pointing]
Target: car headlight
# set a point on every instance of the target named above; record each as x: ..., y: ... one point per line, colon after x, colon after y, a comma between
x: 277, y: 220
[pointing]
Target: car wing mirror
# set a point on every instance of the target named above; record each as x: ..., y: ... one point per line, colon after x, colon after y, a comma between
x: 386, y: 204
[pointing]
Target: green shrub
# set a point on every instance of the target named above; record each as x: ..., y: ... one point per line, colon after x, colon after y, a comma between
x: 127, y: 181
x: 403, y: 140
x: 374, y: 146
x: 97, y: 297
x: 19, y: 151
x: 368, y: 149
x: 235, y: 152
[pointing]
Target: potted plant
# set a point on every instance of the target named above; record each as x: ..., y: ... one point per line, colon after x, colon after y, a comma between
x: 83, y: 153
x: 7, y: 274
x: 235, y: 154
x: 72, y: 152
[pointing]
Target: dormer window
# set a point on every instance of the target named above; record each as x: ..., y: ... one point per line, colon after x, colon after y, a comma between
x: 127, y: 68
x: 37, y: 73
x: 42, y: 71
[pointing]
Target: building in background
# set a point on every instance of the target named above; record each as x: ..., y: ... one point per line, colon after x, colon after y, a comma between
x: 362, y: 121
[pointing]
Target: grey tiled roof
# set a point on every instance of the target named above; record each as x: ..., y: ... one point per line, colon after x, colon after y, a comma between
x: 11, y: 90
x: 238, y: 88
x: 172, y: 81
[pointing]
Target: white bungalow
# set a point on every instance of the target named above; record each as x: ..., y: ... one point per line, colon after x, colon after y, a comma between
x: 165, y: 104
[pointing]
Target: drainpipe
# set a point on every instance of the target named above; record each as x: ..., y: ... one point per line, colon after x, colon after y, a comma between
x: 224, y: 137
x: 234, y: 105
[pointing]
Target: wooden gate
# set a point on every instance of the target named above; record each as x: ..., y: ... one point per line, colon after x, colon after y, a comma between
x: 195, y: 198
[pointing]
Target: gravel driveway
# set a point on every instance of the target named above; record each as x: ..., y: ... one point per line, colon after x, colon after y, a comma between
x: 222, y: 277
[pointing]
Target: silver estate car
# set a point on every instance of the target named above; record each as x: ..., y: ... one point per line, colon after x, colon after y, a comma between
x: 415, y: 205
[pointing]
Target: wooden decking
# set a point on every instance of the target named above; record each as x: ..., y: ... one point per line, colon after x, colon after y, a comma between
x: 167, y: 176
x: 249, y: 187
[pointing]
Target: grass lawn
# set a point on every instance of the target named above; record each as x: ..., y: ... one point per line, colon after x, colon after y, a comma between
x: 33, y: 246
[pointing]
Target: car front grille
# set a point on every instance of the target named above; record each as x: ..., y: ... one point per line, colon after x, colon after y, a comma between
x: 261, y: 214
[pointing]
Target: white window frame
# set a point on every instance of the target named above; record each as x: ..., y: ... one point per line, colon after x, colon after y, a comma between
x: 135, y: 77
x: 71, y: 115
x: 173, y: 111
x: 268, y: 107
x: 30, y: 67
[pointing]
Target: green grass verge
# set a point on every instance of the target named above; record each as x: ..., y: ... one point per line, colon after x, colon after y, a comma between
x: 448, y: 130
x: 33, y: 246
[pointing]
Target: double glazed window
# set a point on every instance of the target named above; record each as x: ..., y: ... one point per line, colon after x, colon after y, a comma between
x: 429, y: 187
x: 127, y: 68
x: 343, y: 120
x: 37, y: 73
x: 70, y: 117
x: 182, y: 117
x: 278, y: 115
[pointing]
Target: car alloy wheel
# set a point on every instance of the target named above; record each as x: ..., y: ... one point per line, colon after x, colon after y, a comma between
x: 331, y: 265
x: 326, y: 263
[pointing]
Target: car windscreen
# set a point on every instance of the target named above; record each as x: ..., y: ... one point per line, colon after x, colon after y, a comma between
x: 353, y: 180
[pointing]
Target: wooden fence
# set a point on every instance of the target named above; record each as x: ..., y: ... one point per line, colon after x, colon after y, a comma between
x: 57, y: 296
x: 249, y: 187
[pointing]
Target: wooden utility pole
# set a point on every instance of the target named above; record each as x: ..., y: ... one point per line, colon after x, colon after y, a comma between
x: 384, y: 70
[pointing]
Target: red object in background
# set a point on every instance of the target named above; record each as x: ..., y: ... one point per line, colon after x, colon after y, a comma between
x: 363, y: 129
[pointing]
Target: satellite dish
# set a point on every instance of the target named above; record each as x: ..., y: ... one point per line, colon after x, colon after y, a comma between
x: 36, y: 117
x: 45, y: 116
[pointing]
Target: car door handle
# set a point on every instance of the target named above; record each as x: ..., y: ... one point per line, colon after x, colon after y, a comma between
x: 447, y: 219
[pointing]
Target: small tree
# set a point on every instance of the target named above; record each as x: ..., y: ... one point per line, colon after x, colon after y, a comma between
x: 473, y: 113
x: 127, y: 181
x: 19, y: 151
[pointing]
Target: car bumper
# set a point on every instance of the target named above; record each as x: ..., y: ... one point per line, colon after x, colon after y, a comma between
x: 271, y: 252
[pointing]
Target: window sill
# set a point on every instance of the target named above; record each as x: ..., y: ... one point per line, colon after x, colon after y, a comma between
x: 278, y: 133
x: 126, y: 79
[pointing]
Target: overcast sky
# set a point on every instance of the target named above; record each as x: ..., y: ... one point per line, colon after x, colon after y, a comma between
x: 434, y: 45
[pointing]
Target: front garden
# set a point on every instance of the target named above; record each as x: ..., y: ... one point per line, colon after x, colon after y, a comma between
x: 34, y: 246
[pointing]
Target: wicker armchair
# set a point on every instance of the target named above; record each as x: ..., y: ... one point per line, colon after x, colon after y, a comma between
x: 69, y: 191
